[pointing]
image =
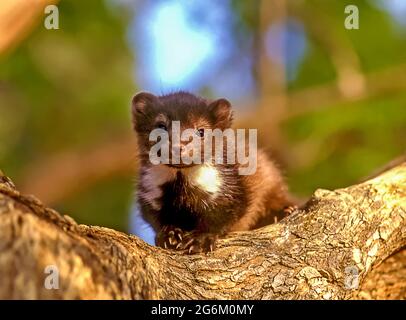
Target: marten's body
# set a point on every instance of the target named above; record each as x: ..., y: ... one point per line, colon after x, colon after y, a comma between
x: 189, y: 206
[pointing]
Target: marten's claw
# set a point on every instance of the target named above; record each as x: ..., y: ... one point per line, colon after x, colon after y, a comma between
x: 169, y: 237
x: 198, y: 242
x: 191, y: 242
x: 290, y: 209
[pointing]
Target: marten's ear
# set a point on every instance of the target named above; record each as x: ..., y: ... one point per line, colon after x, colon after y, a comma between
x: 221, y: 113
x: 140, y: 103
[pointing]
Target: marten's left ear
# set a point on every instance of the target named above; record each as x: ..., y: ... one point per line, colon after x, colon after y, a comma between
x: 221, y: 112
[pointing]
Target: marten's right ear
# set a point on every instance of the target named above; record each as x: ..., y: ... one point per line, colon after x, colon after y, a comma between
x: 140, y: 103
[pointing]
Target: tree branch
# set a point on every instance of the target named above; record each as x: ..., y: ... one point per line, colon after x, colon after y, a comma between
x: 387, y: 281
x: 17, y: 18
x: 316, y: 253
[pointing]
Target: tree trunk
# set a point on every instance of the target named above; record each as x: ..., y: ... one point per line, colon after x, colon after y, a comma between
x: 332, y: 249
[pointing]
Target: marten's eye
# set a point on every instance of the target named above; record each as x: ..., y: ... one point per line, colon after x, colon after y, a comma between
x: 200, y: 132
x: 162, y: 126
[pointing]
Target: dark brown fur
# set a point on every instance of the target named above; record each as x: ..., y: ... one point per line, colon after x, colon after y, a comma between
x: 185, y: 215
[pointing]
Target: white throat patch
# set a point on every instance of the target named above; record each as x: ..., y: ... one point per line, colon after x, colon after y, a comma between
x: 206, y: 177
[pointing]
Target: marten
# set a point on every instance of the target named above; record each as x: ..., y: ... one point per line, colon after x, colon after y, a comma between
x: 191, y: 205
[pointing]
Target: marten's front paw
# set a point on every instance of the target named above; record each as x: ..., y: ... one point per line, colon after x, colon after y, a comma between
x: 169, y: 237
x: 196, y: 242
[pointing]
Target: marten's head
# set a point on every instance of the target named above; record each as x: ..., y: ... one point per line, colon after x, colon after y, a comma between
x: 180, y: 110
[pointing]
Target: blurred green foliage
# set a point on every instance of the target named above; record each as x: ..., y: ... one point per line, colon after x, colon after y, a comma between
x: 348, y: 141
x: 71, y: 88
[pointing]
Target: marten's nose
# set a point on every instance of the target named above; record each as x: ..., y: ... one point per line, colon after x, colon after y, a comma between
x: 178, y: 149
x: 181, y: 150
x: 184, y: 152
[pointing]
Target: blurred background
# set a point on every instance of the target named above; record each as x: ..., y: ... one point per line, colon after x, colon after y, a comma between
x: 329, y: 103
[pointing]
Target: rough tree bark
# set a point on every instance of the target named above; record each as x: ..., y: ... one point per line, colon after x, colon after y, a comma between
x: 341, y: 237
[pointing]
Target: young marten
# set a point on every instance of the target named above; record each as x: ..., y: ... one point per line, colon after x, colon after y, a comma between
x: 190, y: 205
